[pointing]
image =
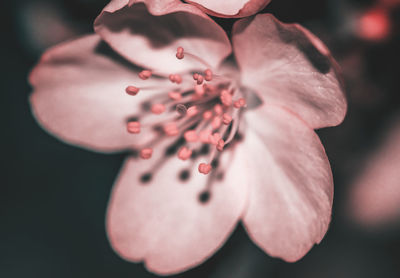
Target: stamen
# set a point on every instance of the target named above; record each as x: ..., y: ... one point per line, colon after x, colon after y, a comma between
x: 175, y: 78
x: 171, y: 129
x: 132, y: 90
x: 199, y: 90
x: 204, y: 168
x: 233, y: 131
x: 214, y: 138
x: 145, y: 74
x: 220, y: 145
x: 192, y: 111
x: 226, y: 98
x: 179, y: 53
x: 184, y: 153
x: 216, y: 122
x: 133, y: 127
x: 207, y: 115
x: 226, y: 119
x: 146, y: 153
x: 178, y: 79
x: 241, y: 102
x: 218, y: 109
x: 200, y: 79
x: 158, y: 108
x: 208, y: 75
x: 204, y: 136
x: 190, y: 136
x: 175, y: 95
x: 201, y: 110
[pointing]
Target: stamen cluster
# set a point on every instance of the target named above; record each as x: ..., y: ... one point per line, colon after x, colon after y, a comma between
x: 206, y: 114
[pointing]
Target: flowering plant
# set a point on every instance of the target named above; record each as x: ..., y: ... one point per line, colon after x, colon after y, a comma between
x: 212, y: 138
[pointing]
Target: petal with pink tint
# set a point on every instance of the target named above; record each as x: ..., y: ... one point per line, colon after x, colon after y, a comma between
x: 79, y: 95
x: 235, y: 8
x: 375, y: 195
x: 148, y: 33
x: 290, y: 183
x: 290, y: 67
x: 162, y: 222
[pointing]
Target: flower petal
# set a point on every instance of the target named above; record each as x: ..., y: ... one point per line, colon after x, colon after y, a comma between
x: 148, y: 32
x: 291, y: 187
x: 162, y: 222
x: 375, y: 194
x: 79, y: 95
x: 290, y: 67
x: 235, y: 8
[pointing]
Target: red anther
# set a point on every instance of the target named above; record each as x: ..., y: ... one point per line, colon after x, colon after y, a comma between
x: 145, y: 74
x: 132, y: 90
x: 175, y: 95
x: 146, y: 153
x: 204, y: 136
x: 216, y: 122
x: 178, y: 78
x: 199, y: 90
x: 184, y: 153
x: 220, y: 145
x: 207, y: 115
x: 179, y: 53
x: 157, y: 108
x: 218, y: 109
x: 204, y: 168
x: 175, y: 78
x: 171, y: 129
x: 241, y: 102
x: 133, y: 127
x: 190, y: 136
x: 226, y: 119
x: 208, y: 75
x: 226, y: 98
x: 200, y: 79
x: 195, y: 76
x: 214, y: 138
x: 191, y: 111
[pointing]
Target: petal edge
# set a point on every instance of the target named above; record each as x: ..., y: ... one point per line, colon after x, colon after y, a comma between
x: 298, y: 71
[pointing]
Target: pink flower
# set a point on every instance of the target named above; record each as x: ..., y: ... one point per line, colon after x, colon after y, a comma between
x: 235, y: 8
x: 246, y: 151
x: 375, y: 195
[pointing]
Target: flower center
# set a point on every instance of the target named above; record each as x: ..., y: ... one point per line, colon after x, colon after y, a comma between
x: 204, y: 117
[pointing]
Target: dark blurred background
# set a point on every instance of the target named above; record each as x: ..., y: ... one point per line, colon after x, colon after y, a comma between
x: 54, y: 196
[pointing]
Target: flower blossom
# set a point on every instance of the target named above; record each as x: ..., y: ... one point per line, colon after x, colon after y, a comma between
x: 214, y: 139
x: 236, y: 8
